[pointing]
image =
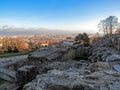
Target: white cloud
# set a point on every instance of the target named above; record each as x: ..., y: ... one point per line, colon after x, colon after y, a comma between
x: 91, y: 25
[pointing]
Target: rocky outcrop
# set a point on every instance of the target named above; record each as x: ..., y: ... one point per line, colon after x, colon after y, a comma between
x: 100, y: 74
x: 113, y: 57
x: 117, y: 67
x: 98, y: 66
x: 104, y: 50
x: 76, y: 75
x: 42, y: 57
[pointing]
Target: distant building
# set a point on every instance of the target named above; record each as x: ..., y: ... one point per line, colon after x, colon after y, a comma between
x: 44, y: 44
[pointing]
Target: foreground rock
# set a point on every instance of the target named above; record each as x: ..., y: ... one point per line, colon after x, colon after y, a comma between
x: 98, y: 66
x: 114, y: 57
x: 62, y: 73
x: 117, y: 67
x: 76, y: 75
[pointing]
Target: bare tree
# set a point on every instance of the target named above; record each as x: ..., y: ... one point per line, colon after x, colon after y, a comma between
x: 118, y: 28
x: 102, y: 27
x: 108, y: 25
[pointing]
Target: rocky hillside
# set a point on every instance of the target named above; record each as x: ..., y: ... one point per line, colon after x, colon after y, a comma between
x: 104, y: 50
x: 100, y: 72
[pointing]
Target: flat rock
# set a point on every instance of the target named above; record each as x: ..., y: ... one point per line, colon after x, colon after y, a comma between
x: 98, y: 66
x: 116, y: 67
x: 114, y: 86
x: 114, y: 57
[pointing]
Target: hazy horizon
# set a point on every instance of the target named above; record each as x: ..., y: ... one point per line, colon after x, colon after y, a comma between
x: 64, y: 15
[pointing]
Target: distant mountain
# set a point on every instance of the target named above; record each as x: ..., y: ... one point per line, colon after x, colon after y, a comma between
x: 6, y: 30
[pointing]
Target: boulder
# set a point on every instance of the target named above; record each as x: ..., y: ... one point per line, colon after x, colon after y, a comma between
x: 114, y: 86
x: 98, y: 66
x: 113, y: 57
x: 76, y: 76
x: 116, y: 67
x: 79, y: 84
x: 95, y: 75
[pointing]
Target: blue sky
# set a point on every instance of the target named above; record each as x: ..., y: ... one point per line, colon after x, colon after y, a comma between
x: 57, y: 14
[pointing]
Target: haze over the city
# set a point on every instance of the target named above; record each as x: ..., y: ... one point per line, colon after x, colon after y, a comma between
x: 69, y: 15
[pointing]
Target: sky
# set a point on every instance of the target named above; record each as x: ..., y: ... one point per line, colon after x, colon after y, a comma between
x: 73, y: 15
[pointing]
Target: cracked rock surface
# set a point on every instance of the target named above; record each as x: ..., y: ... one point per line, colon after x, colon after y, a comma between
x: 72, y: 75
x: 100, y: 72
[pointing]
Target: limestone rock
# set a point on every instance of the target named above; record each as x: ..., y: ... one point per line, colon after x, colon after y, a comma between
x: 75, y: 75
x: 98, y: 66
x: 114, y: 86
x: 79, y: 84
x: 117, y: 67
x: 104, y: 50
x: 95, y: 75
x: 113, y: 57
